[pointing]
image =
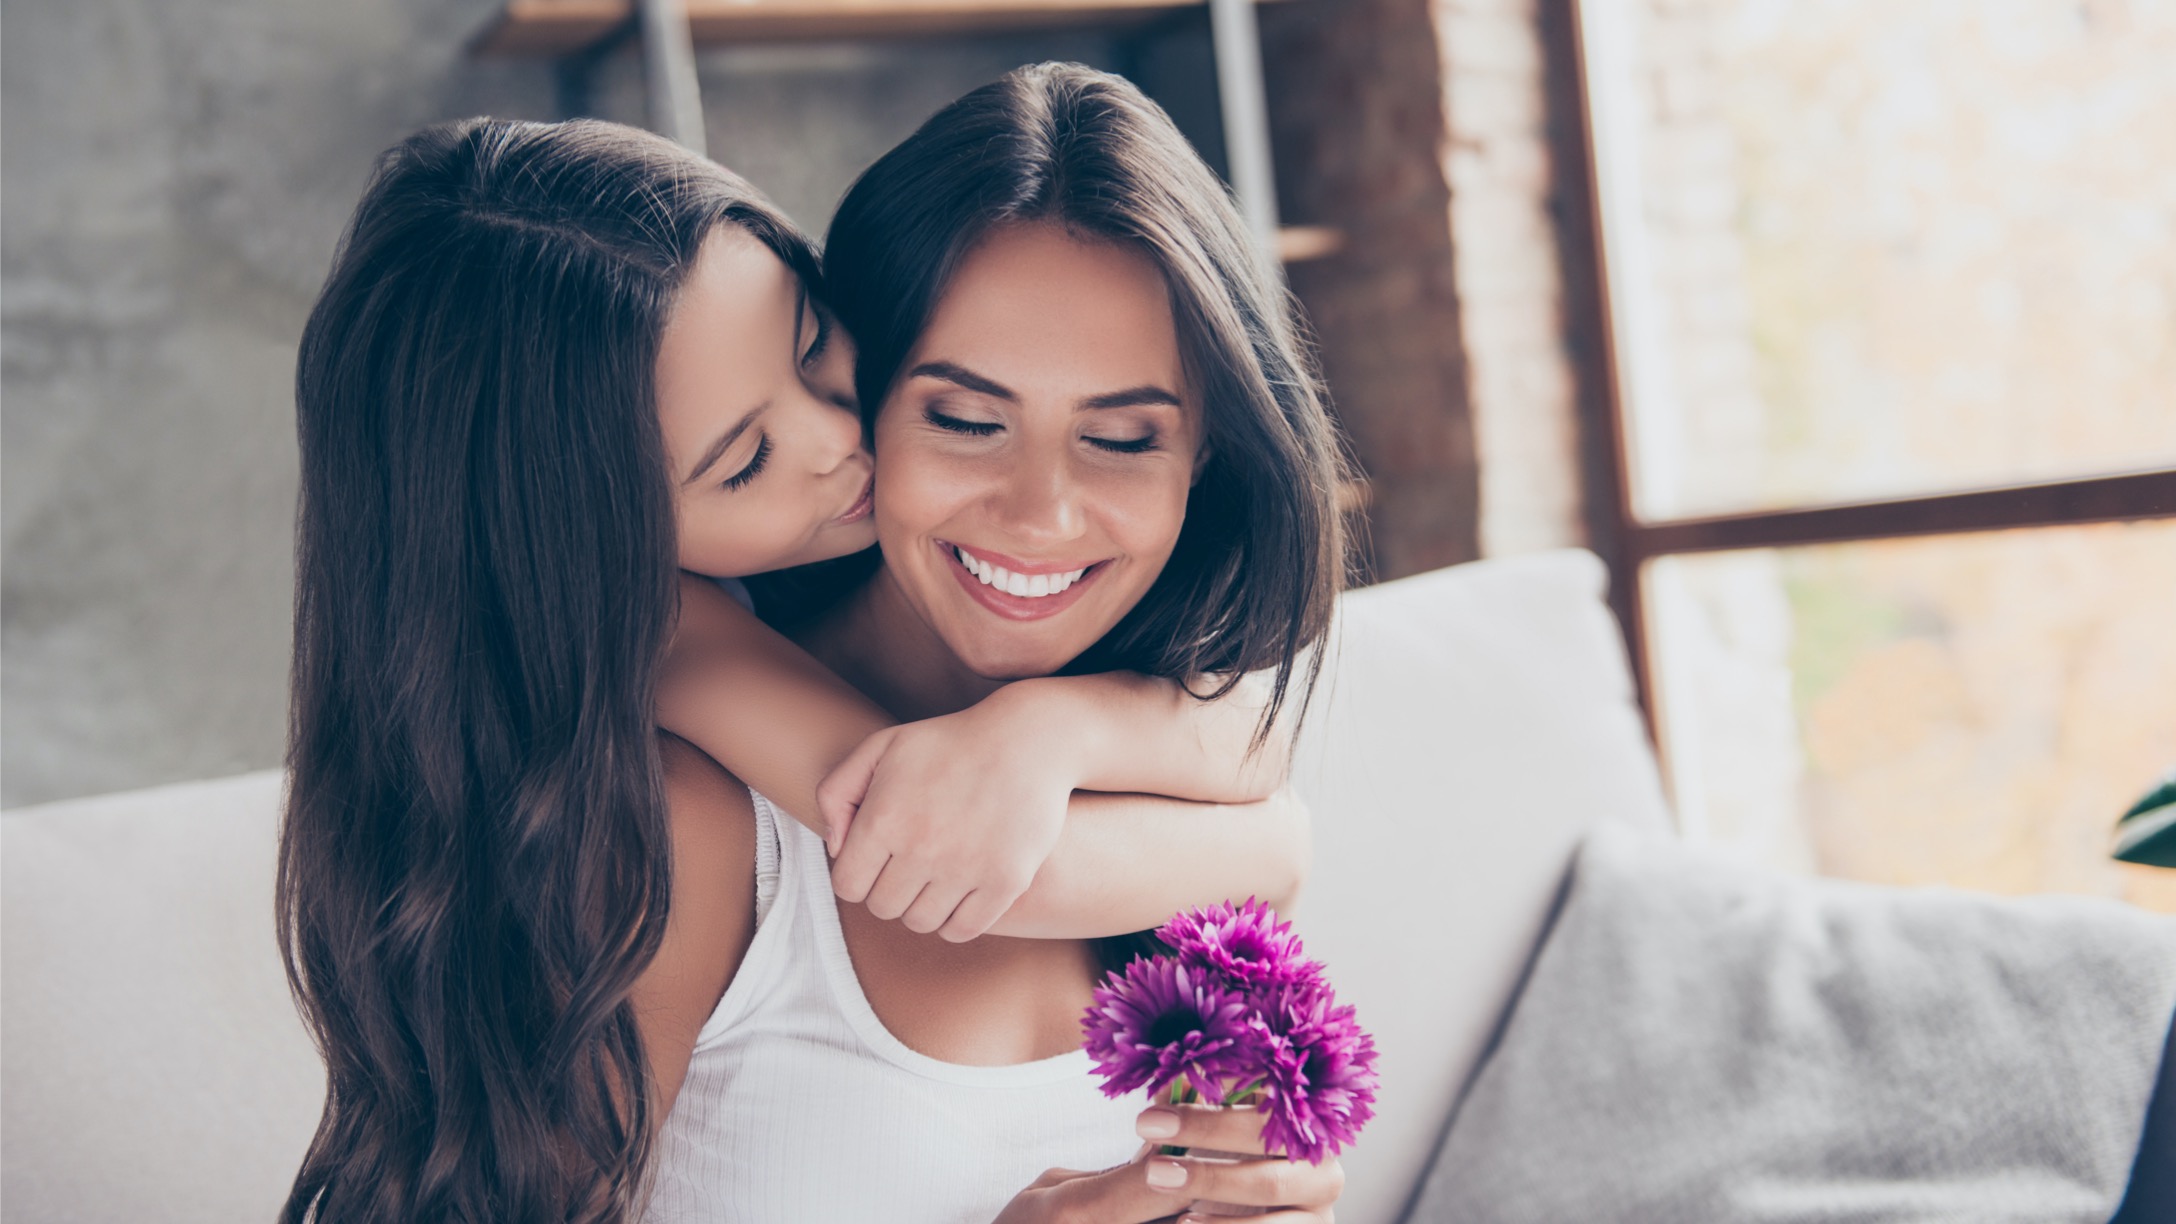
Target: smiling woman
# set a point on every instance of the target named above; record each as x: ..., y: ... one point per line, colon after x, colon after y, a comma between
x: 1100, y: 447
x: 1039, y: 452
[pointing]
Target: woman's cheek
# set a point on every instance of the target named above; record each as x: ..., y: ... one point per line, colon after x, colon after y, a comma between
x: 919, y: 490
x: 1145, y: 506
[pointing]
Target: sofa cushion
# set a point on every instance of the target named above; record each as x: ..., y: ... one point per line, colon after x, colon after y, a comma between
x: 1472, y: 724
x: 1706, y: 1042
x: 154, y: 1066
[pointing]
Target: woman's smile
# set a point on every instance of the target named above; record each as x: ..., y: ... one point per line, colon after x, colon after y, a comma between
x: 1020, y: 590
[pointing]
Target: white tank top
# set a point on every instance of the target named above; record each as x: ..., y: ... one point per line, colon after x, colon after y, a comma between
x: 801, y: 1108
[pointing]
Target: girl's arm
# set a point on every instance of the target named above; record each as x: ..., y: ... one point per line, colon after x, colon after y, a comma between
x: 949, y: 822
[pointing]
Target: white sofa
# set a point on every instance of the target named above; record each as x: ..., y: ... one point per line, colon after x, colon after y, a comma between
x: 1473, y: 724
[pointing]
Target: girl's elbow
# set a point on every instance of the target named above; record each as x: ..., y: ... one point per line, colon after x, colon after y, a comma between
x: 1295, y: 850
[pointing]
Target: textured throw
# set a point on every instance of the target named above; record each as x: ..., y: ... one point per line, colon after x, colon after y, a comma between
x: 1700, y: 1041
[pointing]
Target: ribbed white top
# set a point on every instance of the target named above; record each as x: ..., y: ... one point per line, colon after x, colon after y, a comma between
x: 801, y: 1108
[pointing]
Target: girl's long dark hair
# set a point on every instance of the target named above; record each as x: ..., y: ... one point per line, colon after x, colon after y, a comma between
x: 474, y: 865
x: 1258, y: 564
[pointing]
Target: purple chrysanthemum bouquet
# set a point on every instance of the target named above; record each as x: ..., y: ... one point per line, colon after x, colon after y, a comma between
x: 1238, y: 1015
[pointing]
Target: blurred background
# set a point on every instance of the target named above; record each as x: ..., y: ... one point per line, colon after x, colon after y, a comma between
x: 1844, y: 330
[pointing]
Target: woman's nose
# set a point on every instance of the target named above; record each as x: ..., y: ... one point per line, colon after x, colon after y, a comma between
x: 1039, y: 503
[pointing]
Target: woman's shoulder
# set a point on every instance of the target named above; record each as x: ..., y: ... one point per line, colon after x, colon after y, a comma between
x: 713, y: 824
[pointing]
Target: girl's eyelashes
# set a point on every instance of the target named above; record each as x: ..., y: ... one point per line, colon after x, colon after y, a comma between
x: 960, y: 425
x: 822, y: 341
x: 740, y: 479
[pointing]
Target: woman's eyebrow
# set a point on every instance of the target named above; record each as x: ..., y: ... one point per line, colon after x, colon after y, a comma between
x: 725, y: 440
x: 1147, y: 393
x: 1132, y: 397
x: 964, y: 377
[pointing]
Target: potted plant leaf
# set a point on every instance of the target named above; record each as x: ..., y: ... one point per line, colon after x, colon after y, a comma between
x: 2147, y: 833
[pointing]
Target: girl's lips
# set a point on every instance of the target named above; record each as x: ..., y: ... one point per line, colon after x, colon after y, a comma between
x: 862, y: 505
x: 1017, y: 607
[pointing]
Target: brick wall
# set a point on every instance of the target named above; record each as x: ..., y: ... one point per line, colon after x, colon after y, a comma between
x: 1421, y: 128
x: 1357, y: 115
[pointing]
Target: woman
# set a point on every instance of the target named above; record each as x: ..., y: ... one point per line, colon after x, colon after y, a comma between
x: 1073, y: 364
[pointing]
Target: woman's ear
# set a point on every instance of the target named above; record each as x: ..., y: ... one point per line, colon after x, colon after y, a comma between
x: 1201, y: 460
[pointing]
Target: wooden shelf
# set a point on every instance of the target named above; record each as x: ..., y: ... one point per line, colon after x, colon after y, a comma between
x: 1300, y: 243
x: 562, y: 27
x: 567, y: 27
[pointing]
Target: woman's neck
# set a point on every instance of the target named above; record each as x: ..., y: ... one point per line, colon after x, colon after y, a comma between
x: 875, y: 641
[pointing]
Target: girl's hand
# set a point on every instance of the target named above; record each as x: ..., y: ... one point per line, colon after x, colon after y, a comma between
x: 943, y: 823
x: 1152, y: 1187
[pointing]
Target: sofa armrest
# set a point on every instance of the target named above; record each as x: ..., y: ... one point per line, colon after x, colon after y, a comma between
x: 155, y: 1068
x: 1472, y: 724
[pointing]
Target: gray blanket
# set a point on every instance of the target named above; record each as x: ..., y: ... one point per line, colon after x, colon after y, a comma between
x: 1701, y: 1041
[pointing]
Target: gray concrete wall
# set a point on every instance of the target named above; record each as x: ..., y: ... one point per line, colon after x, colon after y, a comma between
x: 173, y: 175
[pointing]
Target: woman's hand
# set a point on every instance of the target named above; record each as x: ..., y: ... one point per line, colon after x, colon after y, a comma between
x: 947, y: 820
x: 1151, y: 1187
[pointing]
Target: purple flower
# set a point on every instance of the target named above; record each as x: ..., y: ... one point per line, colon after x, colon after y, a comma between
x: 1318, y: 1076
x: 1160, y: 1019
x: 1247, y: 946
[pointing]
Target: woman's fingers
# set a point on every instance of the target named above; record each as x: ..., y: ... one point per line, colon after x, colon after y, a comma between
x: 1123, y: 1195
x: 1151, y: 1188
x: 1211, y: 1127
x: 1115, y: 1196
x: 1251, y: 1183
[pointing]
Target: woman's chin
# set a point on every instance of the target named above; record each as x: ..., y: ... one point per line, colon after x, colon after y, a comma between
x: 1016, y: 665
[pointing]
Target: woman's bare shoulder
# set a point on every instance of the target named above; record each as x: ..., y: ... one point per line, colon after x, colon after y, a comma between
x: 713, y: 918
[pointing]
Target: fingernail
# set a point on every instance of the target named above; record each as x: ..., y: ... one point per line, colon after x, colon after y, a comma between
x: 1156, y: 1124
x: 1166, y: 1174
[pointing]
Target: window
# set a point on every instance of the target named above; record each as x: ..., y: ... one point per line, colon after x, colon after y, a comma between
x: 1889, y: 295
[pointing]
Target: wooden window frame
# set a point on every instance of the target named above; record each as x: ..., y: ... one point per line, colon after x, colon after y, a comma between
x: 1627, y: 542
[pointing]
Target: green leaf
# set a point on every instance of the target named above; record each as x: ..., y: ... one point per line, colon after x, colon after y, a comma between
x: 2147, y: 833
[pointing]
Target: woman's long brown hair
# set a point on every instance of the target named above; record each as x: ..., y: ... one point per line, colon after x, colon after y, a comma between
x: 474, y: 864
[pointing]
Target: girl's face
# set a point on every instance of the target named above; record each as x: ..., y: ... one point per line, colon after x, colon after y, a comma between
x: 1038, y: 448
x: 755, y: 398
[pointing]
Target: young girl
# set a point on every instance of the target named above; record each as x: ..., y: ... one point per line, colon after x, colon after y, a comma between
x: 553, y: 366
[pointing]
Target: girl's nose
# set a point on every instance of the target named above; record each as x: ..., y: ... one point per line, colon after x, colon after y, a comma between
x: 832, y: 430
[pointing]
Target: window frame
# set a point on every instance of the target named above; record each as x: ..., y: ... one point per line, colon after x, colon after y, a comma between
x: 1615, y: 530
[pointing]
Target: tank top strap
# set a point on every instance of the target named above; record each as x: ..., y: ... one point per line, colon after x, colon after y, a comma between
x: 769, y: 855
x: 769, y: 963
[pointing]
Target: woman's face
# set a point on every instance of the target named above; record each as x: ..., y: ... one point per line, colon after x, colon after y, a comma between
x: 755, y: 398
x: 1038, y: 447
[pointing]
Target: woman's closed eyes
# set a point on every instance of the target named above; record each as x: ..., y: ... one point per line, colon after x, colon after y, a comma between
x: 983, y: 429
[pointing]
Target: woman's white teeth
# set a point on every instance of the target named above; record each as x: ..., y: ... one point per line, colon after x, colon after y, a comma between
x: 1026, y: 586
